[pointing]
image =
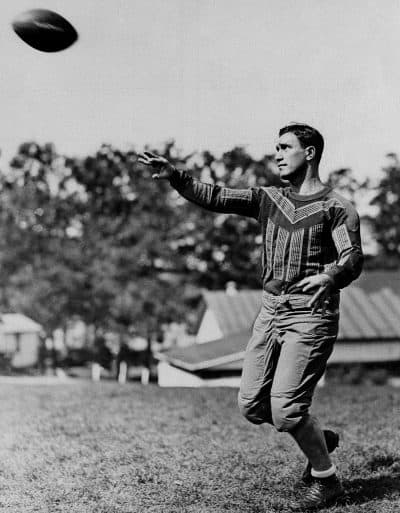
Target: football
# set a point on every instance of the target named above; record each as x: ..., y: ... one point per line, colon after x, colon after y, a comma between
x: 44, y: 30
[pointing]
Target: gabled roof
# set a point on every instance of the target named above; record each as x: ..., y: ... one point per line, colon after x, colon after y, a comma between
x: 209, y: 354
x: 18, y: 323
x: 235, y: 312
x: 369, y: 311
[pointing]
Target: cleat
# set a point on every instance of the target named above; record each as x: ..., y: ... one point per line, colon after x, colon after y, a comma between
x: 322, y: 492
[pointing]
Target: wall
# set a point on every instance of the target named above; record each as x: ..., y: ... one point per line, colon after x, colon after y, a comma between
x: 209, y: 329
x: 27, y: 353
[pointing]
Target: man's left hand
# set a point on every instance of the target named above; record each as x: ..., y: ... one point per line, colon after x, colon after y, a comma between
x: 321, y: 298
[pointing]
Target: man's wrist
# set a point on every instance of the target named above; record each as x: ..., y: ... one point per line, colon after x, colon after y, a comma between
x: 173, y: 173
x: 330, y: 278
x: 331, y: 281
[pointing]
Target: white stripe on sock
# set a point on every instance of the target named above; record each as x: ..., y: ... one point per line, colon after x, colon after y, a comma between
x: 323, y: 473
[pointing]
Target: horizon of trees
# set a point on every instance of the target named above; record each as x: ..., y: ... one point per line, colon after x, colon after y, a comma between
x: 96, y: 238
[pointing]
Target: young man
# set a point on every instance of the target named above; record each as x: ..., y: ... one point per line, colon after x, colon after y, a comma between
x: 311, y: 249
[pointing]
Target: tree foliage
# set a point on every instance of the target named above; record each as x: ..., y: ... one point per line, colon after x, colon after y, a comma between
x: 345, y: 183
x: 386, y: 223
x: 97, y: 238
x: 218, y: 248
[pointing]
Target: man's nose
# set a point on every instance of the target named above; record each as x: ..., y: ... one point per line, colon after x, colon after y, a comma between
x: 278, y: 156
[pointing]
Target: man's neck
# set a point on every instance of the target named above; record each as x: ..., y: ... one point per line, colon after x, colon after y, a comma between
x: 307, y: 183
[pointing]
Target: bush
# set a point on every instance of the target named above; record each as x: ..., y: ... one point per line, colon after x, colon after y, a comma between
x: 78, y: 357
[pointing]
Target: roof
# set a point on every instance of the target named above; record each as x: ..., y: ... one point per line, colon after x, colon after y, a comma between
x: 235, y: 312
x: 369, y: 311
x: 18, y: 323
x: 369, y: 315
x: 209, y: 354
x: 370, y: 308
x: 371, y: 281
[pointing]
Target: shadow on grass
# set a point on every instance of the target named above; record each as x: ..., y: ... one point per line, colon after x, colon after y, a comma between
x: 359, y: 491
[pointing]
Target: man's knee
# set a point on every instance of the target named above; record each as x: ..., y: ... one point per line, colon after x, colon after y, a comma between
x: 251, y: 410
x: 286, y: 414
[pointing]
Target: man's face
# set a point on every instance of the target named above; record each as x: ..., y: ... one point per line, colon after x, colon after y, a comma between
x: 290, y: 155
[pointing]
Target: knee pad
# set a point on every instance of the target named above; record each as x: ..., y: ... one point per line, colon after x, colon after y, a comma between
x: 251, y: 410
x: 286, y: 413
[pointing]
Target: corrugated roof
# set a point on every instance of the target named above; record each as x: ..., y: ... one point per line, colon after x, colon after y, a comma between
x: 236, y: 312
x: 369, y: 311
x: 371, y: 281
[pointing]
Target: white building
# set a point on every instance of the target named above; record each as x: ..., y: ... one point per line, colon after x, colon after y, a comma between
x: 19, y: 340
x: 369, y: 332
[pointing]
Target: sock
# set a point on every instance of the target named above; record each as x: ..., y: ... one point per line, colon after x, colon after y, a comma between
x: 323, y: 473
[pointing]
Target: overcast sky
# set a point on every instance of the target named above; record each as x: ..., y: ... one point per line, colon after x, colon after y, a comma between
x: 209, y: 73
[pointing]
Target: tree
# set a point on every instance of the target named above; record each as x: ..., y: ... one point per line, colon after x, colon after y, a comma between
x: 386, y: 224
x: 218, y: 248
x: 97, y: 238
x: 77, y: 233
x: 344, y: 182
x: 35, y: 271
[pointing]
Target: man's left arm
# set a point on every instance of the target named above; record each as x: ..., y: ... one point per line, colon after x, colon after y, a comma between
x: 349, y: 262
x: 347, y: 240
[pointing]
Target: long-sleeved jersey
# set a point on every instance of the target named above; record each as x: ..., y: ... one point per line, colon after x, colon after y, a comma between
x: 302, y: 235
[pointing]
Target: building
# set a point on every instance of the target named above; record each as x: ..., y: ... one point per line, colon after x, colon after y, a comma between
x: 369, y: 332
x: 19, y: 340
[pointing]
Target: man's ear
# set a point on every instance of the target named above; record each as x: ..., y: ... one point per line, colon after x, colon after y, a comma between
x: 310, y: 152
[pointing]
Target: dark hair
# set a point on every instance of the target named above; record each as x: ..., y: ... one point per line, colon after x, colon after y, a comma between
x: 307, y: 135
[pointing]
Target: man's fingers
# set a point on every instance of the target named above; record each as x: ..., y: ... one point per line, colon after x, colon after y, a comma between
x: 309, y: 284
x: 319, y: 300
x: 156, y: 162
x: 144, y: 159
x: 325, y: 304
x: 305, y: 282
x: 317, y: 296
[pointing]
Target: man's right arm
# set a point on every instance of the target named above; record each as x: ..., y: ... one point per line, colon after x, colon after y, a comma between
x: 216, y: 198
x: 212, y: 197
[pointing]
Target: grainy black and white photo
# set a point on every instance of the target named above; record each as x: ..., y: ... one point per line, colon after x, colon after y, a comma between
x: 199, y: 256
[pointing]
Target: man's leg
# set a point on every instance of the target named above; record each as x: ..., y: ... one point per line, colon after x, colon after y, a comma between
x: 311, y: 440
x: 306, y: 343
x: 259, y: 365
x: 302, y: 360
x: 332, y: 442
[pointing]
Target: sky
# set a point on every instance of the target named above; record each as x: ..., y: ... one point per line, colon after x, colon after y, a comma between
x: 210, y: 74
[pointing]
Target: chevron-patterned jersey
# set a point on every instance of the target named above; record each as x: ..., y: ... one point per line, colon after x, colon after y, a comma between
x: 303, y: 235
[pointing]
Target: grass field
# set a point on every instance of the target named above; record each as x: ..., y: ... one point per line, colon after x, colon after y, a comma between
x: 106, y: 448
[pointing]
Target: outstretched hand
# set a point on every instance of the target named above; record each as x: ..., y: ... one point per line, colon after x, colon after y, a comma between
x: 321, y: 298
x: 161, y: 165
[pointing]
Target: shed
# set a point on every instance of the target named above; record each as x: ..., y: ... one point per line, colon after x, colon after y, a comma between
x: 369, y: 331
x: 19, y: 340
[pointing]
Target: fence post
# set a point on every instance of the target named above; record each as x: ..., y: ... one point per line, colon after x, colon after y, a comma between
x: 96, y: 371
x: 145, y: 376
x: 123, y: 372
